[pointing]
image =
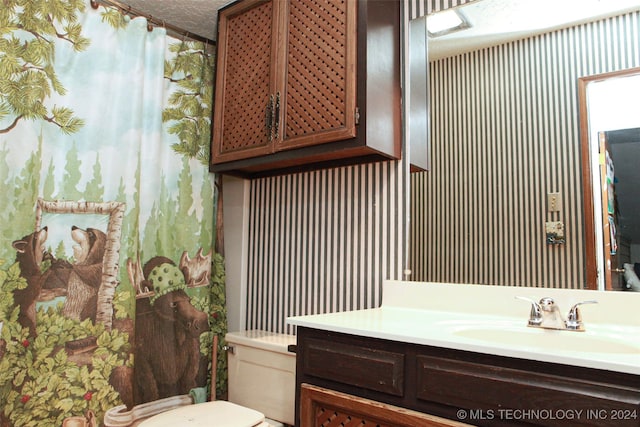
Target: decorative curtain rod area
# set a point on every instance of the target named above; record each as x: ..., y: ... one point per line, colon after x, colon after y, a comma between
x: 152, y: 21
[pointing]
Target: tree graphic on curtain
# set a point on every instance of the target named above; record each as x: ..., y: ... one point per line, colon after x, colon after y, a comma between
x: 190, y: 106
x: 39, y: 384
x: 26, y: 64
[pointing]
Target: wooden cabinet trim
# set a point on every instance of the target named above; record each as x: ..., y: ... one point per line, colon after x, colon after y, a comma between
x: 346, y: 88
x: 314, y: 400
x: 371, y: 83
x: 441, y: 382
x: 364, y: 367
x: 224, y: 99
x: 478, y: 386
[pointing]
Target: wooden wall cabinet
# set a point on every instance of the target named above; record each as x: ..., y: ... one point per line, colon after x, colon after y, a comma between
x: 304, y: 84
x: 474, y: 388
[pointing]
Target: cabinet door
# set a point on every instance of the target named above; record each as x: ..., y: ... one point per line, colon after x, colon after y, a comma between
x: 245, y: 80
x: 320, y: 407
x: 317, y: 86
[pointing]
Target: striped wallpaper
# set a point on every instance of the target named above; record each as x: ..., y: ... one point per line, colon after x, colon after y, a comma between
x: 505, y: 132
x: 324, y: 241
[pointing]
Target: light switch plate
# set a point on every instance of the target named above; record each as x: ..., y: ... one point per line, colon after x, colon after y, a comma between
x: 554, y: 203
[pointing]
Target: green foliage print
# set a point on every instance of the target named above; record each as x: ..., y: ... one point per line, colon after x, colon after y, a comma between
x: 27, y: 76
x: 190, y: 105
x: 39, y: 383
x: 214, y: 303
x: 191, y: 70
x: 219, y: 319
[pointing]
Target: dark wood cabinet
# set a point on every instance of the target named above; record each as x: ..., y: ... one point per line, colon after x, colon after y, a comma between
x: 475, y: 388
x: 321, y: 407
x: 306, y: 83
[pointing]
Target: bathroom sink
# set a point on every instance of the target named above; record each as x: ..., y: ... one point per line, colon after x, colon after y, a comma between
x: 485, y: 319
x: 583, y: 342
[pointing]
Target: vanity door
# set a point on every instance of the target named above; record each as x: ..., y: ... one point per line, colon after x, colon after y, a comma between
x: 321, y: 407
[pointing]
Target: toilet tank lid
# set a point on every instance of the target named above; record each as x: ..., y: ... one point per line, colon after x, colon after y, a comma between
x: 264, y: 340
x: 219, y: 413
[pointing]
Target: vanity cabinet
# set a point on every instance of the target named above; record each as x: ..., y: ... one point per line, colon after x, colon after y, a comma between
x: 322, y: 408
x: 467, y: 387
x: 304, y: 84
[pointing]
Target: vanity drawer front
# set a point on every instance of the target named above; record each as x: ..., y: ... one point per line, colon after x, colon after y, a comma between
x: 537, y: 398
x: 369, y: 368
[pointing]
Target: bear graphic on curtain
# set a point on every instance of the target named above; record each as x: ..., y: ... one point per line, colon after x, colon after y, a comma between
x: 104, y: 136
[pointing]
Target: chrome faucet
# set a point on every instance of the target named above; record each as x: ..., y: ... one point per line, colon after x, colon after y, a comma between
x: 546, y: 314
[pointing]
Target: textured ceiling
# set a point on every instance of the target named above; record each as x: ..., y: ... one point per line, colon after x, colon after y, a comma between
x: 195, y: 16
x: 493, y: 21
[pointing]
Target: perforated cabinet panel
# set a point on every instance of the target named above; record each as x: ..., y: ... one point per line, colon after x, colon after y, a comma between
x: 304, y: 84
x: 317, y: 66
x: 247, y: 82
x: 335, y: 418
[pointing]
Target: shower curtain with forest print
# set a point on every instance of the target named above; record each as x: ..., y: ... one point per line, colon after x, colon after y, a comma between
x: 111, y: 281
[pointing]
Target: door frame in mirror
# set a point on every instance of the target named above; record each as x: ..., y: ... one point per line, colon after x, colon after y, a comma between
x: 591, y: 262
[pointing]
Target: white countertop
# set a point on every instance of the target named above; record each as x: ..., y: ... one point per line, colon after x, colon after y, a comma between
x: 446, y: 315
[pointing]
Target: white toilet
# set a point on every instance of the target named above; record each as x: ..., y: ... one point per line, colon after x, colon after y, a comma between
x: 262, y: 376
x: 209, y: 414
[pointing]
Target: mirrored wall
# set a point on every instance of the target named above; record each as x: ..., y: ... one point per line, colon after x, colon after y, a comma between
x: 505, y: 135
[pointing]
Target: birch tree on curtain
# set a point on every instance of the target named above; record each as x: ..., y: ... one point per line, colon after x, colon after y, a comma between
x: 104, y: 145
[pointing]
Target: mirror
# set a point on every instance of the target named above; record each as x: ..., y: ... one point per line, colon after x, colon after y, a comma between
x: 610, y: 124
x: 502, y: 203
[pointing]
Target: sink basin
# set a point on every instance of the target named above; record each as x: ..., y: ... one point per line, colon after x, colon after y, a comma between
x: 583, y: 342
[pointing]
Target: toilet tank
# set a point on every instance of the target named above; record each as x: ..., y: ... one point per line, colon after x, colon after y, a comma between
x: 262, y: 373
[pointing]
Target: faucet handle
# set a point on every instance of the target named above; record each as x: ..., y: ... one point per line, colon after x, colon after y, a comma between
x: 574, y: 319
x: 535, y: 316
